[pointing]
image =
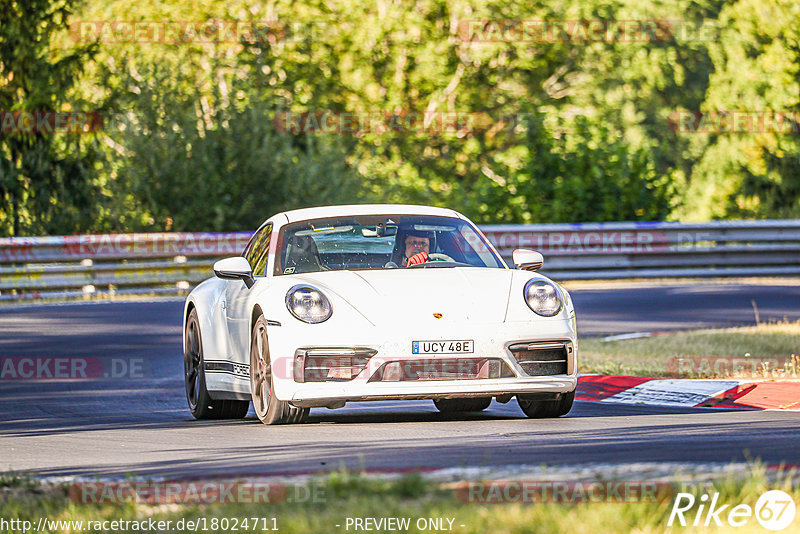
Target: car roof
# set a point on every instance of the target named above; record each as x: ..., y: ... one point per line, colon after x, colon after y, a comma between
x: 367, y: 209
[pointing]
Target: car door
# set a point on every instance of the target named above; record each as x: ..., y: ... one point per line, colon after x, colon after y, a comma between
x: 237, y: 313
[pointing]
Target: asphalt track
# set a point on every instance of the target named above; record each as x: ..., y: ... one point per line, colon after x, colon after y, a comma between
x: 111, y: 427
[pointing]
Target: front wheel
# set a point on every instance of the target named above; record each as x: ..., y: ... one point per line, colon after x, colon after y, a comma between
x: 200, y: 402
x: 543, y: 409
x: 462, y: 405
x: 269, y: 409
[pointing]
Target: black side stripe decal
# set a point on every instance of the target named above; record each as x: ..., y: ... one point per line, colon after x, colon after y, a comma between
x: 236, y: 369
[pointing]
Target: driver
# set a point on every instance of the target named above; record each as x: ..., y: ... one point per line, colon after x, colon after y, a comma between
x: 417, y: 248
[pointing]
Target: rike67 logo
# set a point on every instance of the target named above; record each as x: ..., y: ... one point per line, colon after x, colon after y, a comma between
x: 774, y: 510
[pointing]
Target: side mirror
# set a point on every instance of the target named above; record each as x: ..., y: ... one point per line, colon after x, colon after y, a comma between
x: 527, y: 260
x: 236, y: 268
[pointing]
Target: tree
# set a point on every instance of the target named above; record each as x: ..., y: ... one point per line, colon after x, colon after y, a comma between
x: 753, y: 172
x: 219, y: 164
x: 47, y: 181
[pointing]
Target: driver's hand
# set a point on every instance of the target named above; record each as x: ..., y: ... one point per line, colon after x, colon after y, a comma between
x: 416, y: 259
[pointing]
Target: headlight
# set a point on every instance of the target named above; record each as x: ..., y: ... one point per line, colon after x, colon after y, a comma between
x: 543, y: 297
x: 308, y: 304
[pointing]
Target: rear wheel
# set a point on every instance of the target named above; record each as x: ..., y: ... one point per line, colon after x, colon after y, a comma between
x: 462, y: 405
x: 269, y: 409
x: 200, y: 402
x: 541, y: 409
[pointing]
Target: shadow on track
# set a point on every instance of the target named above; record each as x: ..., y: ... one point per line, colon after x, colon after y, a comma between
x: 558, y: 442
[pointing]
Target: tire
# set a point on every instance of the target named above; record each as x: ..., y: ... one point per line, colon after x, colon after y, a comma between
x: 200, y: 402
x: 269, y: 409
x: 462, y: 405
x: 543, y: 409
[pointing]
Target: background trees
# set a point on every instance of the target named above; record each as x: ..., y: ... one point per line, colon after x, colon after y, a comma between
x: 47, y: 183
x: 569, y: 131
x: 756, y: 67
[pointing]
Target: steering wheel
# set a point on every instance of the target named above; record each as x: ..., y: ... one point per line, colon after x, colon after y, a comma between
x: 439, y: 257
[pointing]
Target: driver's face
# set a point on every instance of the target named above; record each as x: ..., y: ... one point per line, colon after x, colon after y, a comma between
x: 416, y: 244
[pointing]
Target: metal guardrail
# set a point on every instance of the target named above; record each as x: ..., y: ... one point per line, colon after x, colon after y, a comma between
x: 83, y: 266
x: 65, y: 267
x: 585, y: 251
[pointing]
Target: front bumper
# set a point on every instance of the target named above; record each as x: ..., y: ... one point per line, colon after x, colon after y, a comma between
x: 440, y: 389
x: 491, y: 341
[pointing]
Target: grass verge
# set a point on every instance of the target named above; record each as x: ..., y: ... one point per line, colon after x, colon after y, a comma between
x: 345, y: 495
x: 765, y: 351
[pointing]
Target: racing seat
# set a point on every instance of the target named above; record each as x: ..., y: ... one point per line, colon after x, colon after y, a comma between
x: 302, y: 256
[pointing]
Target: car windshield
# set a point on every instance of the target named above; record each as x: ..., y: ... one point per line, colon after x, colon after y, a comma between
x: 381, y: 242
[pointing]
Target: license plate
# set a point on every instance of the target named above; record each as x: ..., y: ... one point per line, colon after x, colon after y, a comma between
x: 459, y: 346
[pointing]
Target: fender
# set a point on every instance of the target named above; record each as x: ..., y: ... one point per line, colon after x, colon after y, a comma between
x: 206, y: 297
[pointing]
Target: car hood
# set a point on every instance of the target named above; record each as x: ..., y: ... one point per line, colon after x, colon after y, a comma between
x: 418, y: 295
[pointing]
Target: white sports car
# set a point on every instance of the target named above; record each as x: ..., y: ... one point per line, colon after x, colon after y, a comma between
x: 376, y: 302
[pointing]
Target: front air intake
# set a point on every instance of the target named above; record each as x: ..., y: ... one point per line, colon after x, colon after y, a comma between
x: 330, y: 364
x: 442, y: 369
x: 543, y: 358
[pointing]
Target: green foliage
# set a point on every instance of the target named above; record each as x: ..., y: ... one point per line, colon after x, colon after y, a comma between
x: 757, y: 68
x: 47, y: 184
x: 576, y: 131
x: 585, y: 174
x: 218, y: 164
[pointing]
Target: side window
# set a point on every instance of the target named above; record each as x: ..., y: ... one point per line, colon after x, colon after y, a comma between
x: 257, y: 250
x: 249, y: 246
